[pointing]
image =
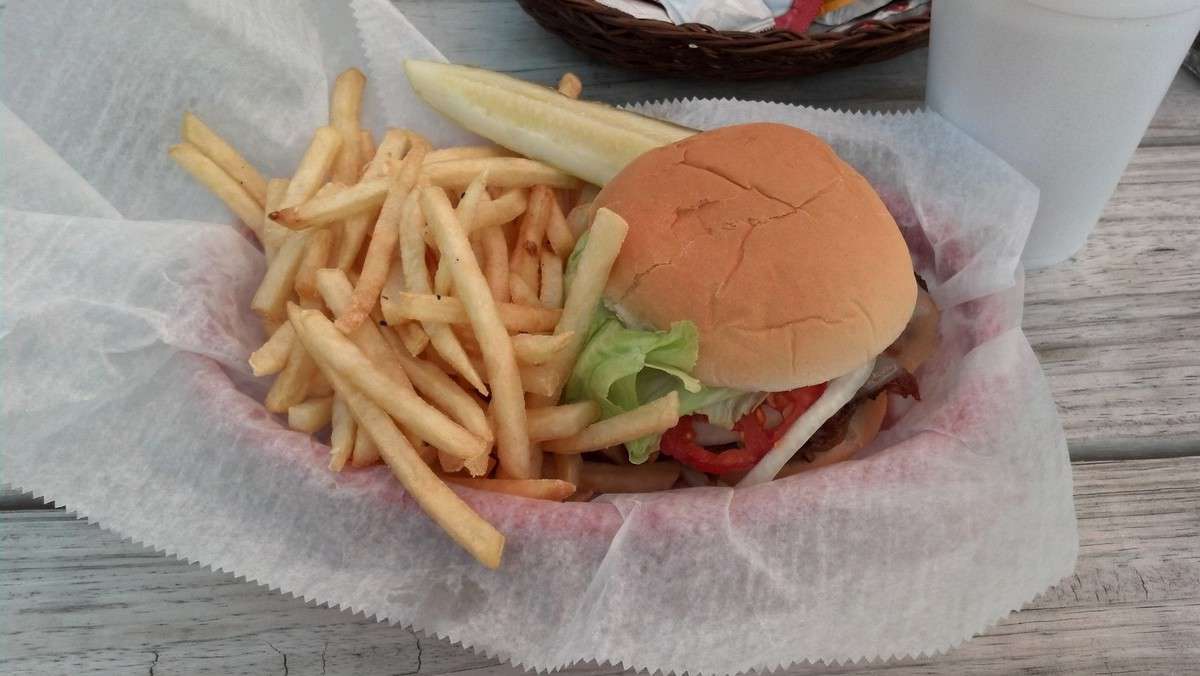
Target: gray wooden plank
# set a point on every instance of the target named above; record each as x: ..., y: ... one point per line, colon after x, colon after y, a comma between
x: 1117, y: 329
x: 76, y: 599
x: 11, y: 499
x: 496, y: 34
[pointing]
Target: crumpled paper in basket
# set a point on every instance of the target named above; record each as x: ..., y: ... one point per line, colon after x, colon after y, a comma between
x: 127, y: 397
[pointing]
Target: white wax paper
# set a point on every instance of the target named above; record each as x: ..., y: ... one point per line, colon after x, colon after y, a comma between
x: 127, y: 397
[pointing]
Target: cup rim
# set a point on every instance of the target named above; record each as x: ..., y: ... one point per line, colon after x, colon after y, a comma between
x: 1118, y: 9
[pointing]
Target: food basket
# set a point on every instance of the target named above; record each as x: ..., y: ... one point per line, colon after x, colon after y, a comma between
x: 695, y: 50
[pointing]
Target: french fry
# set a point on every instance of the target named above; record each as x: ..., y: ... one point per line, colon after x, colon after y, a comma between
x: 657, y: 416
x: 424, y: 307
x: 505, y: 172
x: 466, y: 210
x: 428, y: 379
x: 520, y: 291
x: 416, y: 278
x: 345, y: 107
x: 291, y: 385
x: 274, y: 234
x: 534, y: 349
x: 366, y: 149
x: 314, y: 167
x: 372, y: 340
x: 394, y: 284
x: 365, y: 452
x: 336, y: 292
x: 341, y: 436
x: 570, y: 86
x: 605, y: 478
x: 524, y: 261
x: 316, y: 255
x: 561, y: 422
x: 466, y: 153
x: 395, y: 144
x: 273, y: 355
x: 318, y: 387
x: 276, y: 287
x: 374, y: 272
x: 360, y: 198
x: 413, y: 336
x: 354, y: 233
x: 310, y: 415
x: 430, y: 424
x: 383, y: 240
x: 480, y: 465
x: 463, y: 525
x: 595, y: 261
x: 442, y: 391
x: 537, y: 489
x: 538, y: 401
x: 225, y: 156
x: 558, y: 233
x: 566, y: 467
x: 551, y: 293
x: 486, y: 468
x: 449, y: 464
x: 498, y: 211
x: 495, y: 262
x: 508, y: 402
x: 427, y: 454
x: 225, y: 187
x: 412, y: 249
x: 540, y: 380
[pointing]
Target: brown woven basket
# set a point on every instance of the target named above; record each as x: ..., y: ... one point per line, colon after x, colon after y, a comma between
x: 694, y: 50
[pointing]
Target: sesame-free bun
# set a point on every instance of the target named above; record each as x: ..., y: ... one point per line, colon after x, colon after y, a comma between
x: 782, y: 254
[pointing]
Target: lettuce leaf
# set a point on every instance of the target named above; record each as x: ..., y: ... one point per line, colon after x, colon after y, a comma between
x: 622, y: 368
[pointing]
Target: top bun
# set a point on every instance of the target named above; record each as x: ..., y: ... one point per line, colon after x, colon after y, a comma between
x: 784, y: 257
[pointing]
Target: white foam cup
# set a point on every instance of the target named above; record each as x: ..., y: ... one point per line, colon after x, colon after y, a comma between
x: 1063, y: 90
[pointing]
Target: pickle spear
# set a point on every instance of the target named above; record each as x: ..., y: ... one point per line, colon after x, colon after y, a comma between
x: 587, y: 139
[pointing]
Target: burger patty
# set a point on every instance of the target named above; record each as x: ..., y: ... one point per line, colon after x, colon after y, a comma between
x: 830, y: 434
x: 888, y: 376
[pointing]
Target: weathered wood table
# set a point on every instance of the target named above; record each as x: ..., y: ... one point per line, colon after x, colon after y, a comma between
x: 1118, y: 331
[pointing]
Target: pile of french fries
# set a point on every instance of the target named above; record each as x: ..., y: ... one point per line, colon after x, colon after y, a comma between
x: 415, y: 304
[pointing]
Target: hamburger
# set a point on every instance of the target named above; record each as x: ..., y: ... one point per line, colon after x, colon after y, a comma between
x: 765, y: 281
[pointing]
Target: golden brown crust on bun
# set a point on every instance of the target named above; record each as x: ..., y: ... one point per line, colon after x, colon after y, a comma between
x: 861, y: 430
x: 782, y: 254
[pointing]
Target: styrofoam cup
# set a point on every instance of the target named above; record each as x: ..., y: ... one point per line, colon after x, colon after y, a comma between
x: 1061, y: 89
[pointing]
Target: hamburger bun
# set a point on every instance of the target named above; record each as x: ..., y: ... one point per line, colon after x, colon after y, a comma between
x: 782, y: 255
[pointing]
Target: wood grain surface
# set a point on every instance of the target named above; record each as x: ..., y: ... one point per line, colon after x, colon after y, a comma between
x: 79, y: 600
x: 1118, y: 329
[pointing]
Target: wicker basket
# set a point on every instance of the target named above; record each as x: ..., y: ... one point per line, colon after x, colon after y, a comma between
x: 694, y: 50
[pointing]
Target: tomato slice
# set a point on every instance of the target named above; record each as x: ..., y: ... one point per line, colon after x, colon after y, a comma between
x: 679, y: 441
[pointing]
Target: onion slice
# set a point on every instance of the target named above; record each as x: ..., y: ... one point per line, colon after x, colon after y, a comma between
x: 837, y: 394
x: 708, y: 434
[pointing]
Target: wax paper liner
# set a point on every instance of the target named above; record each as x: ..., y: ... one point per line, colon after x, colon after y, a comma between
x: 126, y: 396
